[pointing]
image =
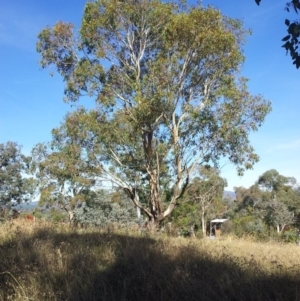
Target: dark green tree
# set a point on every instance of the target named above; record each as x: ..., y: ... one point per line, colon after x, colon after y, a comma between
x: 271, y: 180
x: 276, y: 214
x: 15, y: 183
x: 165, y: 78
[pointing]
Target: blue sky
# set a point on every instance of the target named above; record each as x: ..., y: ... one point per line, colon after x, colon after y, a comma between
x: 31, y: 101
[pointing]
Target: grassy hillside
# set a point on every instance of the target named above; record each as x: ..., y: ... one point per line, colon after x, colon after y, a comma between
x: 47, y: 262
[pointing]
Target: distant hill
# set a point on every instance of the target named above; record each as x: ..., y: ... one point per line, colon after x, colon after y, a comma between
x: 229, y: 194
x: 32, y: 205
x: 26, y: 206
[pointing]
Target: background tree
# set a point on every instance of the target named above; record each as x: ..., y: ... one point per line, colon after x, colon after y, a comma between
x: 282, y: 188
x: 247, y: 199
x: 273, y: 200
x: 64, y: 170
x: 203, y: 201
x: 168, y: 95
x: 248, y: 213
x: 292, y: 39
x: 15, y: 184
x: 106, y: 208
x: 271, y: 180
x: 206, y: 192
x: 277, y: 214
x: 283, y: 202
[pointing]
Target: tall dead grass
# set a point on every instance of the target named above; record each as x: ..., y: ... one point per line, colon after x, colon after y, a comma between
x: 48, y: 262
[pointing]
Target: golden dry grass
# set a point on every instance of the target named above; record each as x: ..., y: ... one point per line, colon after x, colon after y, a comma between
x: 48, y: 262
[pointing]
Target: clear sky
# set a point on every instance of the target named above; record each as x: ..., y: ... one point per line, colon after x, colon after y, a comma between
x: 31, y: 100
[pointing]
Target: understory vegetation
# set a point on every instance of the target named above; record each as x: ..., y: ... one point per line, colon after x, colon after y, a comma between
x: 54, y: 262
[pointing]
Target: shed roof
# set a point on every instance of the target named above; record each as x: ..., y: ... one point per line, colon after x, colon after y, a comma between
x: 219, y: 220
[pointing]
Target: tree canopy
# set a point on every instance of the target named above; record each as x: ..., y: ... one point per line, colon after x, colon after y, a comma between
x: 14, y: 185
x: 64, y: 170
x: 273, y: 199
x: 167, y: 90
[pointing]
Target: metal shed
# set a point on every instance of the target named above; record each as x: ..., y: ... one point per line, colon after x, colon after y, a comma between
x: 215, y: 225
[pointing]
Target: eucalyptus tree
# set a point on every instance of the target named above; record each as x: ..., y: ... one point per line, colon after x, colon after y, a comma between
x: 277, y: 214
x: 206, y: 192
x: 65, y: 178
x: 281, y: 197
x: 272, y: 199
x: 167, y: 90
x: 15, y: 183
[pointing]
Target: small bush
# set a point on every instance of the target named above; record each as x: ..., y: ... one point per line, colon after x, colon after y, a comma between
x: 57, y: 217
x: 290, y: 236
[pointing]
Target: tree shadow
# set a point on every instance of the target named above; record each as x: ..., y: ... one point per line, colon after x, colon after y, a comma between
x: 107, y: 266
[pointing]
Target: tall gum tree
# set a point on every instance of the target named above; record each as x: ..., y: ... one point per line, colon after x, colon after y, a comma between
x: 168, y: 94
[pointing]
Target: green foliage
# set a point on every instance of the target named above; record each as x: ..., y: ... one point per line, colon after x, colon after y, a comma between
x: 271, y: 203
x: 57, y: 216
x: 249, y: 225
x: 273, y: 181
x: 14, y: 185
x: 38, y: 214
x: 165, y: 80
x: 64, y: 172
x: 100, y: 210
x: 292, y: 39
x: 203, y: 200
x: 291, y: 235
x: 277, y: 215
x: 185, y: 215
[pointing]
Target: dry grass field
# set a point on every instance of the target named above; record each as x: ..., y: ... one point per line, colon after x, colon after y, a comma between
x: 47, y: 262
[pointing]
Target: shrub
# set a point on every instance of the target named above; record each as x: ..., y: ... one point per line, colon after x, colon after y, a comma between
x: 291, y: 235
x: 101, y: 211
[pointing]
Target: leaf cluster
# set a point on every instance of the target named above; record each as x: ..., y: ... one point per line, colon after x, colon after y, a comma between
x: 292, y: 39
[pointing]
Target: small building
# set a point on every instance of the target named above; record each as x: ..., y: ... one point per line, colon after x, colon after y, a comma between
x: 215, y: 226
